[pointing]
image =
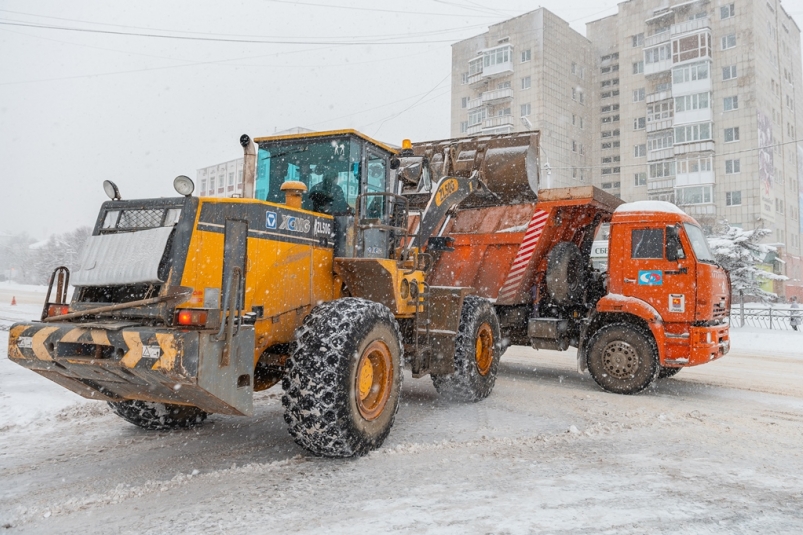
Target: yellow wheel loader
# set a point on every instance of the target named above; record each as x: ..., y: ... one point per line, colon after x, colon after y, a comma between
x: 315, y: 278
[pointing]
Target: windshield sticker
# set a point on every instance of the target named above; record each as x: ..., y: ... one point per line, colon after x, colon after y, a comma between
x: 651, y: 277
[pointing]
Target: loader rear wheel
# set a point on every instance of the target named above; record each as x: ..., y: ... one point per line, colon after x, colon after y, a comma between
x: 158, y: 416
x: 622, y: 358
x: 477, y: 351
x: 341, y: 390
x: 666, y: 373
x: 565, y: 274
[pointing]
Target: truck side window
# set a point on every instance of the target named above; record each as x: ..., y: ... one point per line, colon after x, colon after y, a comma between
x: 647, y: 243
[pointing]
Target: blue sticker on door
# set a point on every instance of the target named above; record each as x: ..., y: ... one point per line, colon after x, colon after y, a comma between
x: 651, y: 277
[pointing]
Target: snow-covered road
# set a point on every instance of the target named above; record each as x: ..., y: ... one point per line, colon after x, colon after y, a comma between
x: 717, y: 449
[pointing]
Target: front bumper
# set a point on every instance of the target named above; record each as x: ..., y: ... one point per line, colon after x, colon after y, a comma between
x: 118, y: 361
x: 703, y: 345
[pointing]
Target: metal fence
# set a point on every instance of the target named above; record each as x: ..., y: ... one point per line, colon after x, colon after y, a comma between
x: 766, y: 316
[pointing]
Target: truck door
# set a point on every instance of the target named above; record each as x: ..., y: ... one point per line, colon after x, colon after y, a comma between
x: 660, y: 272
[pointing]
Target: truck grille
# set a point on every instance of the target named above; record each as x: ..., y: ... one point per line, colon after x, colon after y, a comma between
x: 146, y: 218
x: 719, y: 311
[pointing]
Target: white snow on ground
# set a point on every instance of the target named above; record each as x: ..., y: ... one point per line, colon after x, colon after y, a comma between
x: 717, y: 449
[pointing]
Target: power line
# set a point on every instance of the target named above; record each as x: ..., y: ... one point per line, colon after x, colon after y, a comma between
x: 271, y: 41
x: 407, y: 12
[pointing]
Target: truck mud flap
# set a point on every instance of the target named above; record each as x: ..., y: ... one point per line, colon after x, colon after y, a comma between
x: 142, y: 363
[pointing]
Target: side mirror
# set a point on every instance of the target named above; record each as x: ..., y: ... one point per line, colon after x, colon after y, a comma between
x: 673, y: 247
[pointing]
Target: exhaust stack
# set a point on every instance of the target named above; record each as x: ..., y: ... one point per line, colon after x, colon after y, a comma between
x: 249, y: 166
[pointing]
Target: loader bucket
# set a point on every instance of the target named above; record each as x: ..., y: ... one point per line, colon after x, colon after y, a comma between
x: 506, y: 164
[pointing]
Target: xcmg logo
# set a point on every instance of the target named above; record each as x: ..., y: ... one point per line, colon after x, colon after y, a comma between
x: 294, y: 224
x: 651, y: 277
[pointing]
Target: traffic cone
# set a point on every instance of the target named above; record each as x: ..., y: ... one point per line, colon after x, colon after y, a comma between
x: 13, y: 300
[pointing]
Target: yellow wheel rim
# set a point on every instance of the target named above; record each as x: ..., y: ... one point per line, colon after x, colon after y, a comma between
x: 374, y: 379
x: 484, y: 349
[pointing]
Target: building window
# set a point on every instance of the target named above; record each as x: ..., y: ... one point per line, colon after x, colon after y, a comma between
x: 689, y: 73
x: 693, y: 46
x: 729, y: 73
x: 731, y: 134
x: 574, y: 68
x: 464, y: 102
x: 726, y: 12
x: 731, y: 103
x: 658, y: 53
x: 732, y: 167
x: 211, y: 185
x: 475, y: 66
x: 640, y: 151
x: 476, y: 117
x: 693, y: 195
x: 574, y: 146
x: 525, y: 109
x: 463, y: 127
x: 526, y: 82
x: 693, y: 165
x: 693, y: 132
x: 700, y: 101
x: 203, y: 186
x: 638, y: 40
x: 639, y: 123
x: 660, y: 141
x: 662, y: 169
x: 526, y: 55
x: 640, y: 179
x: 464, y: 78
x: 659, y: 112
x: 728, y: 41
x: 497, y: 56
x: 639, y: 95
x: 638, y: 67
x: 580, y: 94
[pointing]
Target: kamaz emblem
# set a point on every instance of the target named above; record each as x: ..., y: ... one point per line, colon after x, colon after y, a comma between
x: 323, y: 228
x: 651, y: 277
x: 270, y: 219
x: 448, y: 187
x: 294, y: 224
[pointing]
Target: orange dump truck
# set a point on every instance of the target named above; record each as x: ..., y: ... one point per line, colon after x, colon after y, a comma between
x: 659, y: 305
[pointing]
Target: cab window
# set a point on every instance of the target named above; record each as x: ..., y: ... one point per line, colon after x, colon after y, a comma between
x: 647, y: 243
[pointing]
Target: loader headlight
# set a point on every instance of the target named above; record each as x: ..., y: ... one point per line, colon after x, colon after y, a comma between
x: 111, y: 190
x: 184, y: 185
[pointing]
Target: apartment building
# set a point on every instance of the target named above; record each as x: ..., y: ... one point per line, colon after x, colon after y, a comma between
x: 694, y: 102
x: 530, y: 72
x: 221, y: 180
x: 705, y: 115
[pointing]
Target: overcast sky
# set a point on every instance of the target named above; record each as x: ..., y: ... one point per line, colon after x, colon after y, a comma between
x: 79, y: 106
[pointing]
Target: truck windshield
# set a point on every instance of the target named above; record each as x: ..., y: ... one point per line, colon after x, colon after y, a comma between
x: 699, y: 244
x: 326, y: 166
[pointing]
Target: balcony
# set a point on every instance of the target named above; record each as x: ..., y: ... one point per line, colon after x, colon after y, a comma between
x: 473, y: 130
x: 497, y: 96
x: 500, y: 69
x: 656, y: 39
x: 474, y: 103
x: 698, y: 146
x: 498, y: 125
x: 690, y: 26
x: 475, y: 79
x: 660, y: 154
x: 693, y: 116
x: 663, y: 124
x: 663, y: 183
x: 658, y: 96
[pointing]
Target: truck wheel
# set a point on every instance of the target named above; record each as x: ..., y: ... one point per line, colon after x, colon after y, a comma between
x: 565, y: 274
x: 666, y: 373
x: 341, y: 389
x: 477, y: 352
x: 158, y: 416
x: 622, y: 358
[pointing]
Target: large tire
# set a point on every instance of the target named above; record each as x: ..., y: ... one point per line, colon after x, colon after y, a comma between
x: 666, y: 373
x: 342, y: 385
x: 622, y: 358
x: 158, y: 416
x: 478, y: 349
x: 565, y: 274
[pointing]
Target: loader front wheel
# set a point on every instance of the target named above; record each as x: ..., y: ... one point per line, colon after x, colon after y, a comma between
x: 622, y: 358
x: 343, y: 381
x: 477, y: 351
x: 158, y: 416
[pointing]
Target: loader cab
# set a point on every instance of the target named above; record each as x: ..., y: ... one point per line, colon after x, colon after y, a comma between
x: 347, y: 175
